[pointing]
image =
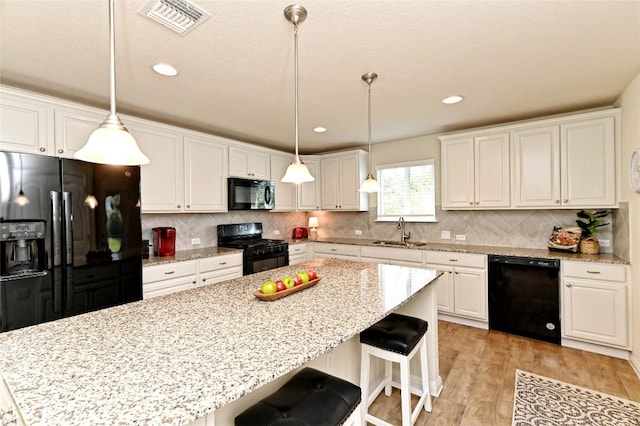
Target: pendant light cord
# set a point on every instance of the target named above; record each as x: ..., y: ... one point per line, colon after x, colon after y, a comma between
x: 295, y: 39
x: 370, y: 159
x: 112, y: 68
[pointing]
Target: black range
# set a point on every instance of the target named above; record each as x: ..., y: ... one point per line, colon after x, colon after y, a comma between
x: 259, y: 254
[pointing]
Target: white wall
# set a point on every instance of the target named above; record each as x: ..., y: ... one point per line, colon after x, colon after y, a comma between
x: 629, y: 101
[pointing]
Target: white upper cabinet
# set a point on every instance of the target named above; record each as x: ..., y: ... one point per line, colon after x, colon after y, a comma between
x: 571, y: 164
x: 161, y: 182
x: 73, y: 128
x: 475, y: 171
x: 558, y: 162
x: 24, y: 124
x: 205, y: 175
x: 309, y: 192
x: 342, y: 174
x: 285, y: 195
x: 249, y: 163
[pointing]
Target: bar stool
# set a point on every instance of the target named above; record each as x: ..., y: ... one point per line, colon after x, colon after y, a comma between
x: 310, y: 397
x: 396, y: 338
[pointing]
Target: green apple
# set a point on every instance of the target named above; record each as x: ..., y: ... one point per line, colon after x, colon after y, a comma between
x: 288, y: 282
x: 303, y: 276
x: 269, y: 287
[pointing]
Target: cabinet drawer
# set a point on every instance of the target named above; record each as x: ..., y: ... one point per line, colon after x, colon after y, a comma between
x: 456, y: 259
x: 220, y: 262
x: 295, y: 249
x: 342, y: 249
x: 168, y: 271
x: 407, y: 255
x: 594, y: 271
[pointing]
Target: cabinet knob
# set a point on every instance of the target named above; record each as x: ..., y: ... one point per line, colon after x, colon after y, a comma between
x: 60, y: 151
x: 42, y: 149
x: 470, y: 203
x: 477, y: 203
x: 170, y: 272
x: 568, y: 284
x: 178, y: 206
x: 556, y: 201
x: 204, y: 280
x: 193, y: 282
x: 453, y: 260
x: 593, y: 272
x: 565, y: 201
x: 188, y: 206
x: 223, y: 263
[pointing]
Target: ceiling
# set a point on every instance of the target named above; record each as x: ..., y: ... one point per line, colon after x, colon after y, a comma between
x: 511, y: 60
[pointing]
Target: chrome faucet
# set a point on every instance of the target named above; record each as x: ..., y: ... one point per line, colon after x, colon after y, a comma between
x: 404, y: 236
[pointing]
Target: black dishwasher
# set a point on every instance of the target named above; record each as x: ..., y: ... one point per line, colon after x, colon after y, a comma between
x: 524, y: 297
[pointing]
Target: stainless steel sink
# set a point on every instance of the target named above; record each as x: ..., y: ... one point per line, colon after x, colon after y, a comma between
x: 408, y: 244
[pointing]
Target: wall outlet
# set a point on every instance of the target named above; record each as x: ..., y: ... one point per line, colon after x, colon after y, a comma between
x: 276, y: 232
x: 358, y: 232
x: 195, y: 241
x: 461, y: 237
x: 445, y: 235
x: 604, y: 243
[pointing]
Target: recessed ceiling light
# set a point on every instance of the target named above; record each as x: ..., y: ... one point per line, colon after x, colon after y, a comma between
x: 319, y: 129
x: 165, y: 69
x: 452, y: 99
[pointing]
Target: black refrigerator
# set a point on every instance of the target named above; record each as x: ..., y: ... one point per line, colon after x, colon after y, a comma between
x: 70, y: 238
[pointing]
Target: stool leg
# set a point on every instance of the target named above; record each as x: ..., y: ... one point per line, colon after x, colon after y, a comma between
x: 405, y: 391
x: 387, y: 377
x: 364, y: 381
x: 424, y: 368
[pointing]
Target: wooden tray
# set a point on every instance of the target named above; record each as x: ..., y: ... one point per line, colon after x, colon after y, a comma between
x: 274, y: 296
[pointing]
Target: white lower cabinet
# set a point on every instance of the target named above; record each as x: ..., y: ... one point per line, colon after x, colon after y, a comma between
x: 168, y: 278
x: 213, y: 270
x: 297, y: 253
x: 595, y: 303
x: 392, y: 256
x: 462, y: 290
x: 336, y: 251
x: 9, y: 413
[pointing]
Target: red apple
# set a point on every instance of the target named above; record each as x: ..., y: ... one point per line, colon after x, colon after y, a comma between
x: 312, y: 274
x: 297, y: 280
x: 280, y: 285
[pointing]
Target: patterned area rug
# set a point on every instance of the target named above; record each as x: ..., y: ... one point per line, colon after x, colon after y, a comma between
x: 541, y: 401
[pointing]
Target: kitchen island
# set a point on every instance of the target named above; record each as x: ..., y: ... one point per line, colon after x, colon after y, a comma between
x: 203, y: 354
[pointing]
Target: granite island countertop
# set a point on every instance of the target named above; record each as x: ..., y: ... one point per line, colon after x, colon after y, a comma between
x: 175, y: 358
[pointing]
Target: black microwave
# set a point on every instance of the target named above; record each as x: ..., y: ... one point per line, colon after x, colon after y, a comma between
x: 251, y: 194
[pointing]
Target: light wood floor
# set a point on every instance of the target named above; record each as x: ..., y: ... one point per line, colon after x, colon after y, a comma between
x: 478, y: 373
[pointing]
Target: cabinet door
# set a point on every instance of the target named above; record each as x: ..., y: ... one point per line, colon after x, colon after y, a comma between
x: 458, y: 173
x: 205, y: 178
x: 309, y: 192
x: 470, y: 292
x: 349, y: 183
x: 536, y: 167
x: 492, y: 178
x: 330, y: 183
x: 595, y: 311
x: 245, y: 162
x: 297, y: 253
x: 588, y: 163
x: 161, y: 181
x: 73, y: 128
x: 444, y: 289
x: 23, y: 125
x: 285, y: 192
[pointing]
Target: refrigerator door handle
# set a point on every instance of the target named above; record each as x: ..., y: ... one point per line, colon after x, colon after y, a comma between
x: 56, y: 248
x: 67, y: 275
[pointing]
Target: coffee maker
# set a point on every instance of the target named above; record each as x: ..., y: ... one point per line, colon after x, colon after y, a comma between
x: 164, y: 241
x: 22, y: 248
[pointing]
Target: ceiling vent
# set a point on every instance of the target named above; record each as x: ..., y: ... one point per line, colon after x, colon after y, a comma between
x: 181, y: 16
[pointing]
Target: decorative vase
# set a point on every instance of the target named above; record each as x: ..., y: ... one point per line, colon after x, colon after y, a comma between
x: 589, y: 245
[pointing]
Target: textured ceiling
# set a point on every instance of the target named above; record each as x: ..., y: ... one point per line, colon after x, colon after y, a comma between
x: 509, y: 59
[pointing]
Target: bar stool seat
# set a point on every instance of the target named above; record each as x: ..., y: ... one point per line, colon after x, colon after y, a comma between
x: 309, y: 398
x: 395, y: 338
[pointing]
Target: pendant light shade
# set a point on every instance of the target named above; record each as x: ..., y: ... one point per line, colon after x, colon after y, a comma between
x: 297, y: 172
x: 370, y: 184
x: 111, y: 143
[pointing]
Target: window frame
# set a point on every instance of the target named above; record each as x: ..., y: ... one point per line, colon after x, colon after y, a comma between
x: 406, y: 164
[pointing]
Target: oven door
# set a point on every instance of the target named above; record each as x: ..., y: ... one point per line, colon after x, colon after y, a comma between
x: 250, y: 194
x: 264, y: 262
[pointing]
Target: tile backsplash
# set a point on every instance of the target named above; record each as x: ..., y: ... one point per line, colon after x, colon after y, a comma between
x: 503, y: 228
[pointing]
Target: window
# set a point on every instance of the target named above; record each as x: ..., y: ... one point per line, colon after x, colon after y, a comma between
x: 407, y: 190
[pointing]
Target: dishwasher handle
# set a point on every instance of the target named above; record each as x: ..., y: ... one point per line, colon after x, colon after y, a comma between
x: 526, y: 261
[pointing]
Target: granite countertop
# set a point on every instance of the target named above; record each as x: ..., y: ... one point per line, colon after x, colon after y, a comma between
x: 501, y: 251
x: 184, y: 255
x: 175, y: 358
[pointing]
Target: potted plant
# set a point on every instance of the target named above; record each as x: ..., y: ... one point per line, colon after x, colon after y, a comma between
x: 589, y: 222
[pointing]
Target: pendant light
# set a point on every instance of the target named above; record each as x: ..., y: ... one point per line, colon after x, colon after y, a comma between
x: 297, y: 172
x: 111, y: 143
x: 370, y: 184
